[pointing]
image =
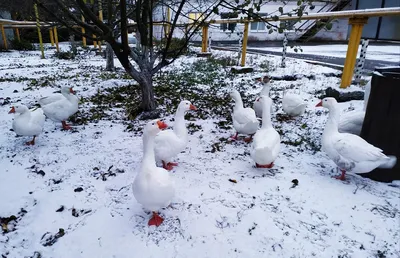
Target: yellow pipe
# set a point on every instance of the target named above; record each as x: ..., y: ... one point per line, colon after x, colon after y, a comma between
x: 94, y: 36
x: 101, y: 19
x: 51, y: 37
x: 94, y: 41
x: 56, y: 38
x: 168, y: 20
x: 357, y: 25
x: 244, y: 47
x: 205, y: 39
x: 3, y: 33
x: 38, y: 29
x: 17, y: 32
x: 83, y: 32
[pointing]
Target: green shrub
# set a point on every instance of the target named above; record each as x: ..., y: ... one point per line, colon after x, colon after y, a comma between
x: 175, y: 46
x: 67, y: 55
x: 21, y: 44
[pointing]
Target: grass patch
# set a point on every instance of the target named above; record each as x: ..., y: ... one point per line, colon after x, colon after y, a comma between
x: 199, y: 82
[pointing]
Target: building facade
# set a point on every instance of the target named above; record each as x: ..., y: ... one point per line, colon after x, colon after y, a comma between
x: 380, y: 28
x: 259, y: 31
x: 9, y: 32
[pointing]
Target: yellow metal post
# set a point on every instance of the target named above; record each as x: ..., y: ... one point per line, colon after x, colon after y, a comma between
x: 166, y: 27
x: 244, y: 46
x: 3, y: 34
x: 38, y: 29
x: 205, y: 39
x: 94, y: 41
x: 56, y: 38
x: 101, y: 19
x: 83, y: 29
x: 94, y: 36
x: 51, y: 37
x: 17, y: 33
x: 83, y: 32
x: 357, y: 25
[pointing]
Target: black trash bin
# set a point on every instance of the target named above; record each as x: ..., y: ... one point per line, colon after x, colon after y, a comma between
x: 381, y: 126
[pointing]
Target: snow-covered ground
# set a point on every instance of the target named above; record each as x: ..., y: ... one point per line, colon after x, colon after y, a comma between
x: 79, y: 181
x: 374, y: 52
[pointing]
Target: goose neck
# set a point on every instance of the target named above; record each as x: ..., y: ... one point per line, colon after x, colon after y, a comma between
x: 179, y: 125
x: 266, y: 116
x: 238, y: 103
x: 333, y: 121
x: 25, y: 114
x: 265, y: 90
x: 148, y: 150
x: 71, y: 98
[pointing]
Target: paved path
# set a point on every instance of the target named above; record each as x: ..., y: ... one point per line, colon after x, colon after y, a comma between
x: 369, y: 64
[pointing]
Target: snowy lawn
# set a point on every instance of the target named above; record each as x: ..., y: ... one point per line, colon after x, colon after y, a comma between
x: 374, y: 52
x: 70, y: 195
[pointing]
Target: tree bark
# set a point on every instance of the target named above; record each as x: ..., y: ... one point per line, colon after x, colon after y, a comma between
x: 109, y: 58
x: 146, y: 86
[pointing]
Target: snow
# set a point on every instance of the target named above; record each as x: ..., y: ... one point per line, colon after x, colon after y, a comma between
x: 374, y: 52
x: 261, y: 215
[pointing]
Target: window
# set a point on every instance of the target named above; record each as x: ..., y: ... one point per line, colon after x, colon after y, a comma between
x: 194, y: 16
x: 228, y: 26
x: 287, y: 25
x: 258, y: 26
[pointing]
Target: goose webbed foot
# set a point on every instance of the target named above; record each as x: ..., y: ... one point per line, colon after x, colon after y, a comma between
x: 342, y: 176
x: 169, y: 165
x: 31, y: 142
x: 65, y: 125
x: 155, y: 220
x: 265, y: 166
x: 249, y: 139
x: 234, y: 137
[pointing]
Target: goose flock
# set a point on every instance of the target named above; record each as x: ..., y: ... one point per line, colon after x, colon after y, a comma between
x: 153, y: 186
x: 57, y: 107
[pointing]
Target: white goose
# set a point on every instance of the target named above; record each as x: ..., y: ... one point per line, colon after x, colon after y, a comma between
x: 59, y: 107
x: 352, y: 122
x: 27, y: 123
x: 65, y: 91
x: 257, y: 106
x: 267, y: 141
x: 244, y: 119
x: 366, y: 94
x: 170, y: 143
x: 293, y: 104
x: 350, y: 152
x: 152, y: 187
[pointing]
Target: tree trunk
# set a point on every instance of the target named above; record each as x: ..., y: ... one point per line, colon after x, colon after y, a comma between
x: 109, y: 58
x: 146, y: 85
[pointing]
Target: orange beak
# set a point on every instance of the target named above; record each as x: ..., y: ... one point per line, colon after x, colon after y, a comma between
x: 319, y: 104
x: 12, y: 110
x: 161, y: 125
x: 192, y: 107
x: 71, y: 90
x: 259, y: 79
